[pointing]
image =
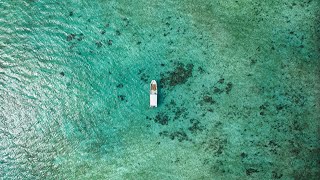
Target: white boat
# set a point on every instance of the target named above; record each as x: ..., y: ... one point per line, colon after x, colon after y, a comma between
x: 153, y: 93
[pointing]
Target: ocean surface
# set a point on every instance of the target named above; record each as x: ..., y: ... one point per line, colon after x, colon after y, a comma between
x: 239, y: 91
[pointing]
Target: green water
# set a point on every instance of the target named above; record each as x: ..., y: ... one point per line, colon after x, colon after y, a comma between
x: 239, y: 89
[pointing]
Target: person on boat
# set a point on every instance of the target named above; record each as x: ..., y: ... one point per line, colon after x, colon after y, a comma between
x: 153, y: 87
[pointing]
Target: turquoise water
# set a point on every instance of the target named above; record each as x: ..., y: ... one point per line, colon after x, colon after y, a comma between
x: 239, y: 89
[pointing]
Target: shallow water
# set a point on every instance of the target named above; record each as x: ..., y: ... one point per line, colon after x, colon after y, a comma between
x: 239, y: 89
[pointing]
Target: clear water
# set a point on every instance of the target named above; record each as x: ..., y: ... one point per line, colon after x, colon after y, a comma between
x: 239, y: 89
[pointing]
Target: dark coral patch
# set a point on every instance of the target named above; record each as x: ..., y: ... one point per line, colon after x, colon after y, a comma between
x: 126, y: 20
x: 221, y: 81
x: 208, y: 99
x: 162, y: 119
x: 243, y: 155
x: 253, y: 61
x: 179, y: 75
x: 143, y: 76
x: 99, y: 44
x: 196, y: 126
x: 180, y: 135
x: 70, y: 37
x: 120, y: 85
x: 201, y: 70
x: 122, y: 97
x: 179, y: 112
x: 229, y: 87
x: 80, y: 37
x: 276, y: 175
x: 215, y: 145
x: 217, y: 90
x: 221, y: 87
x: 250, y: 171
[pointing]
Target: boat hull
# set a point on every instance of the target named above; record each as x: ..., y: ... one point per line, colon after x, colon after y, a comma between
x: 153, y: 94
x: 153, y: 100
